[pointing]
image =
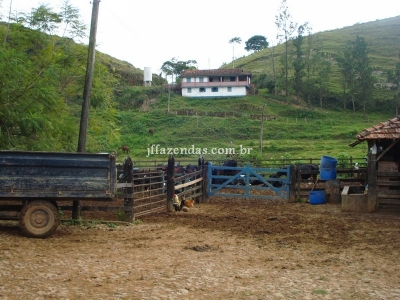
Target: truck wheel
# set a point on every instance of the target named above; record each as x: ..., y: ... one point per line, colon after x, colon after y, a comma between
x: 39, y: 219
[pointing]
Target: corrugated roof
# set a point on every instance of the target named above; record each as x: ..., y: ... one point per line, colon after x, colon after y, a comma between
x: 215, y: 72
x: 385, y: 130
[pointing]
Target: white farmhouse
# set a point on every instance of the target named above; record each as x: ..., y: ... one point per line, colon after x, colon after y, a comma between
x: 215, y: 83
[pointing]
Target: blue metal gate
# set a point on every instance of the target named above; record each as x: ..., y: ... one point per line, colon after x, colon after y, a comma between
x: 242, y: 179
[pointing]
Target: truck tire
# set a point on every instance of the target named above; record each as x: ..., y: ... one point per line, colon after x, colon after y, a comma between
x: 39, y: 219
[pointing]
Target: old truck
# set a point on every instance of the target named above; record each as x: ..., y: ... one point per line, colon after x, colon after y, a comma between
x: 33, y: 184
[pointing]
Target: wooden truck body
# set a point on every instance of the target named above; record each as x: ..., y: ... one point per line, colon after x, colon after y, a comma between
x: 33, y: 183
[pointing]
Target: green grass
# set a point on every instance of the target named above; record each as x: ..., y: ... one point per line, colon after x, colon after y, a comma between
x: 297, y: 132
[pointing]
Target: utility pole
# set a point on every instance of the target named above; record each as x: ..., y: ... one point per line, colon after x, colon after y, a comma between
x: 89, y: 78
x: 262, y: 127
x: 76, y: 206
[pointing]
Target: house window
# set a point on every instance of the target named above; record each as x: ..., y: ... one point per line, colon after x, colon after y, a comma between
x: 188, y: 79
x: 214, y: 89
x: 202, y: 90
x: 201, y: 79
x: 229, y: 89
x: 232, y: 79
x: 210, y: 79
x: 189, y: 90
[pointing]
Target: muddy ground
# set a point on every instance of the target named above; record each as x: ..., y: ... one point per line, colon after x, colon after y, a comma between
x: 225, y: 249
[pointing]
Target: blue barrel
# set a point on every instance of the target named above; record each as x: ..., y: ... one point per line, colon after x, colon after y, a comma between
x: 327, y: 174
x: 317, y: 196
x: 328, y: 168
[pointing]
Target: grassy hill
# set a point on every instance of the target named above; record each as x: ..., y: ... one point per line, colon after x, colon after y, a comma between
x: 381, y: 36
x: 297, y: 130
x: 289, y: 131
x: 43, y: 112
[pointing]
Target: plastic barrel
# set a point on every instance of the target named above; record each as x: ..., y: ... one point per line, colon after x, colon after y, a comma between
x: 317, y: 196
x: 328, y: 168
x: 327, y: 174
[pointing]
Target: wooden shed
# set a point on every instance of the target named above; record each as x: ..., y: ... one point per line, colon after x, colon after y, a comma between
x: 383, y: 164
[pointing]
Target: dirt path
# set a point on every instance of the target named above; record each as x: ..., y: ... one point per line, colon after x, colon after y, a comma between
x: 226, y: 249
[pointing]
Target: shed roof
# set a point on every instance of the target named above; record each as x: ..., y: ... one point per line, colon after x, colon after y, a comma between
x: 384, y: 130
x: 215, y: 72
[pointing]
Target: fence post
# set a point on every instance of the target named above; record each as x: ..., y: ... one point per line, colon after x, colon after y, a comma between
x: 170, y: 183
x: 293, y: 183
x: 204, y: 196
x: 128, y: 199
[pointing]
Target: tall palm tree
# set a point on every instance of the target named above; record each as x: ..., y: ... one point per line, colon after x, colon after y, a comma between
x: 233, y: 41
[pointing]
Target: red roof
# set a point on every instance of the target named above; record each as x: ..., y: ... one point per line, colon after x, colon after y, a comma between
x: 385, y: 130
x: 215, y: 72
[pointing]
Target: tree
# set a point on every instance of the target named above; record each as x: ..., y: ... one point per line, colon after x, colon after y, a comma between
x: 393, y: 78
x: 46, y: 20
x: 41, y: 79
x: 346, y: 65
x: 322, y: 67
x: 73, y: 25
x: 175, y: 67
x: 286, y: 27
x: 43, y: 19
x: 354, y: 65
x: 365, y: 80
x: 256, y: 43
x: 299, y: 63
x: 273, y: 69
x: 232, y: 41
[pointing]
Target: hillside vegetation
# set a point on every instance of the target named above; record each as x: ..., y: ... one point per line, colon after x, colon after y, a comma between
x: 42, y: 78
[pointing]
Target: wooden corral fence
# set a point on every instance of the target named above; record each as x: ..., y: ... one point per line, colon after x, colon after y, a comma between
x: 344, y: 166
x: 147, y: 191
x: 295, y: 185
x: 190, y: 185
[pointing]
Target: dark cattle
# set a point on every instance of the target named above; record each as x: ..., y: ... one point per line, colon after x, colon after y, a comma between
x: 226, y: 172
x: 151, y: 131
x: 303, y: 168
x: 256, y: 181
x: 313, y: 168
x: 229, y: 163
x: 191, y: 168
x: 160, y: 167
x: 219, y: 180
x: 274, y: 183
x: 216, y: 180
x: 178, y: 169
x: 240, y: 181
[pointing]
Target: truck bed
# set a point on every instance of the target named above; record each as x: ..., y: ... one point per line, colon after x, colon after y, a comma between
x: 55, y: 175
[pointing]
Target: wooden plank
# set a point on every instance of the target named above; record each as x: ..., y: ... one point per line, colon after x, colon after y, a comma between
x: 188, y: 183
x: 124, y: 185
x: 389, y: 201
x: 383, y: 174
x: 391, y: 192
x: 387, y: 183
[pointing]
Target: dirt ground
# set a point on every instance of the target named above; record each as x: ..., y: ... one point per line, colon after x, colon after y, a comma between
x: 225, y: 249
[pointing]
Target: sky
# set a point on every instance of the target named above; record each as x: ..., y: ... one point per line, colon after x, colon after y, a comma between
x: 149, y: 33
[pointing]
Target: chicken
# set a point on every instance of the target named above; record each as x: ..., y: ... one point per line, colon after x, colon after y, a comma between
x: 187, y: 203
x: 176, y: 202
